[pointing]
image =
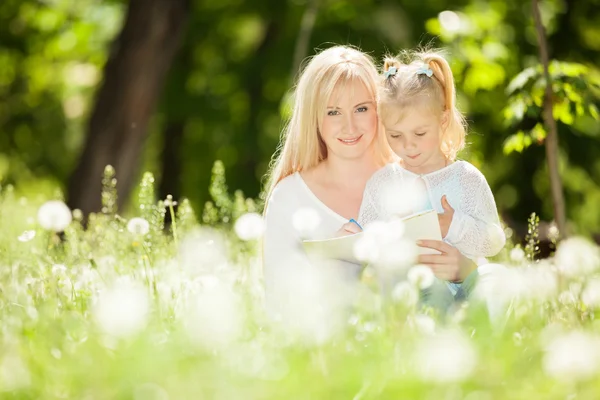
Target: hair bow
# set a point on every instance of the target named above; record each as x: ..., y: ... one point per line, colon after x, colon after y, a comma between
x: 425, y: 70
x: 390, y: 72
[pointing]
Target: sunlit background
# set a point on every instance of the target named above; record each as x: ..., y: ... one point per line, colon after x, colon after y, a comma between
x: 223, y: 93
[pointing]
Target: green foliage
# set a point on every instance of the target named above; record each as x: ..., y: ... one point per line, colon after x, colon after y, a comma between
x: 532, y: 239
x: 576, y: 90
x: 101, y: 314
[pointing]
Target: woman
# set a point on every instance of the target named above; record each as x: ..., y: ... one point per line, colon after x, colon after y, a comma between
x: 330, y: 148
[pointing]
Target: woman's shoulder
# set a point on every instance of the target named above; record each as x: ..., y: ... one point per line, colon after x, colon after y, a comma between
x: 287, y: 188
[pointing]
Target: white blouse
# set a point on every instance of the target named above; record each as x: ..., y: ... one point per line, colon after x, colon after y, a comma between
x: 475, y: 229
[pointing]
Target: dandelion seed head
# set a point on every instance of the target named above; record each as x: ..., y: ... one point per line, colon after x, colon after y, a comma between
x: 591, y: 293
x: 577, y: 257
x: 405, y: 293
x: 122, y: 311
x: 54, y: 215
x: 249, y: 226
x: 138, y: 226
x: 306, y: 220
x: 26, y: 236
x: 445, y: 357
x: 421, y: 276
x: 214, y: 317
x: 424, y: 324
x: 203, y: 250
x: 572, y: 356
x: 517, y: 255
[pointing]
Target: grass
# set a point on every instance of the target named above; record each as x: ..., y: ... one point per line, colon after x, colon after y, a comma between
x: 177, y: 313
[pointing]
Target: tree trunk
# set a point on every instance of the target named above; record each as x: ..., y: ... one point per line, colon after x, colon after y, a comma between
x: 133, y: 79
x: 552, y: 131
x: 171, y: 163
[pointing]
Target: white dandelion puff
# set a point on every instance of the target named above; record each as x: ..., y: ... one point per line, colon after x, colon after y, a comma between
x: 306, y: 220
x: 446, y: 357
x: 249, y: 226
x: 591, y: 293
x: 405, y: 293
x: 517, y: 255
x: 421, y: 276
x: 576, y: 257
x: 123, y: 310
x: 26, y: 236
x: 54, y: 215
x: 572, y: 356
x: 138, y: 226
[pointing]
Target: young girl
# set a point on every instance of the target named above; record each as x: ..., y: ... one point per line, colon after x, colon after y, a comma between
x: 425, y: 129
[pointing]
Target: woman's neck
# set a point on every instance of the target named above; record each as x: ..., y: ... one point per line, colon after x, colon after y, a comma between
x: 349, y: 173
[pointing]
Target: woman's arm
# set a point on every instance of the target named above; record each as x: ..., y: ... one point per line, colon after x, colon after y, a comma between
x: 283, y: 255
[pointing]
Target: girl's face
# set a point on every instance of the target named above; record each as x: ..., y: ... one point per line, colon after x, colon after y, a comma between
x: 350, y: 122
x: 416, y: 139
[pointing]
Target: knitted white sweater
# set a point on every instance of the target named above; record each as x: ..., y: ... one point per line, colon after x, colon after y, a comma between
x: 475, y: 229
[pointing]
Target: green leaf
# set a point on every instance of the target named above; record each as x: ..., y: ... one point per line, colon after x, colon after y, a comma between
x: 517, y: 142
x: 521, y: 79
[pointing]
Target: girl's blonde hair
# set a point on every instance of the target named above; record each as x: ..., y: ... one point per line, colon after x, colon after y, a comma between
x: 425, y: 77
x: 301, y: 146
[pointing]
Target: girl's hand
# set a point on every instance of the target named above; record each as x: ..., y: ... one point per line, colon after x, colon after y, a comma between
x: 446, y: 217
x: 349, y: 228
x: 450, y: 265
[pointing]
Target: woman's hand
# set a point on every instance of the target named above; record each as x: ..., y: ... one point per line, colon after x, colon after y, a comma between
x: 349, y: 228
x: 450, y: 265
x: 446, y: 217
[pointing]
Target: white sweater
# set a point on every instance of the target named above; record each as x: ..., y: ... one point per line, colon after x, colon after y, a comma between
x: 295, y: 213
x: 475, y: 229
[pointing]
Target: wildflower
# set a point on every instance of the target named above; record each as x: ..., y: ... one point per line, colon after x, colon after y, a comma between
x: 54, y: 215
x: 382, y: 246
x: 138, y: 226
x: 169, y: 202
x: 591, y: 293
x: 26, y: 236
x: 424, y: 324
x: 123, y: 310
x: 214, y: 318
x: 577, y: 257
x: 405, y: 293
x: 517, y: 255
x: 305, y: 220
x: 421, y: 276
x: 445, y: 357
x: 203, y: 250
x: 249, y: 226
x: 572, y: 356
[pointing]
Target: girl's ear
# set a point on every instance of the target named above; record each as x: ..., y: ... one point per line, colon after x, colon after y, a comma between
x: 445, y: 119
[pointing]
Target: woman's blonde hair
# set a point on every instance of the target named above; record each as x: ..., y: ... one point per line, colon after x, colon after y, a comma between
x: 415, y: 77
x: 301, y: 146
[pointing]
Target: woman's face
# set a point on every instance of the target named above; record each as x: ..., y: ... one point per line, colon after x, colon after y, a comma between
x: 350, y: 122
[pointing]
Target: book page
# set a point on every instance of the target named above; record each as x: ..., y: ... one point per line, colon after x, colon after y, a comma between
x: 424, y: 225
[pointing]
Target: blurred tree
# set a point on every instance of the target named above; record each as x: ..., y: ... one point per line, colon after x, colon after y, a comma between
x: 133, y: 79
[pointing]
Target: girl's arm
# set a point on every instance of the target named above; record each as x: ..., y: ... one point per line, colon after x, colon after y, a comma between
x: 475, y: 229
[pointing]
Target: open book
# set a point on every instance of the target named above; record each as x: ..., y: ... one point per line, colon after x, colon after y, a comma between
x: 423, y: 225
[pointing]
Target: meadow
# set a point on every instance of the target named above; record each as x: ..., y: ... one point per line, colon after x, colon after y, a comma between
x: 135, y: 308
